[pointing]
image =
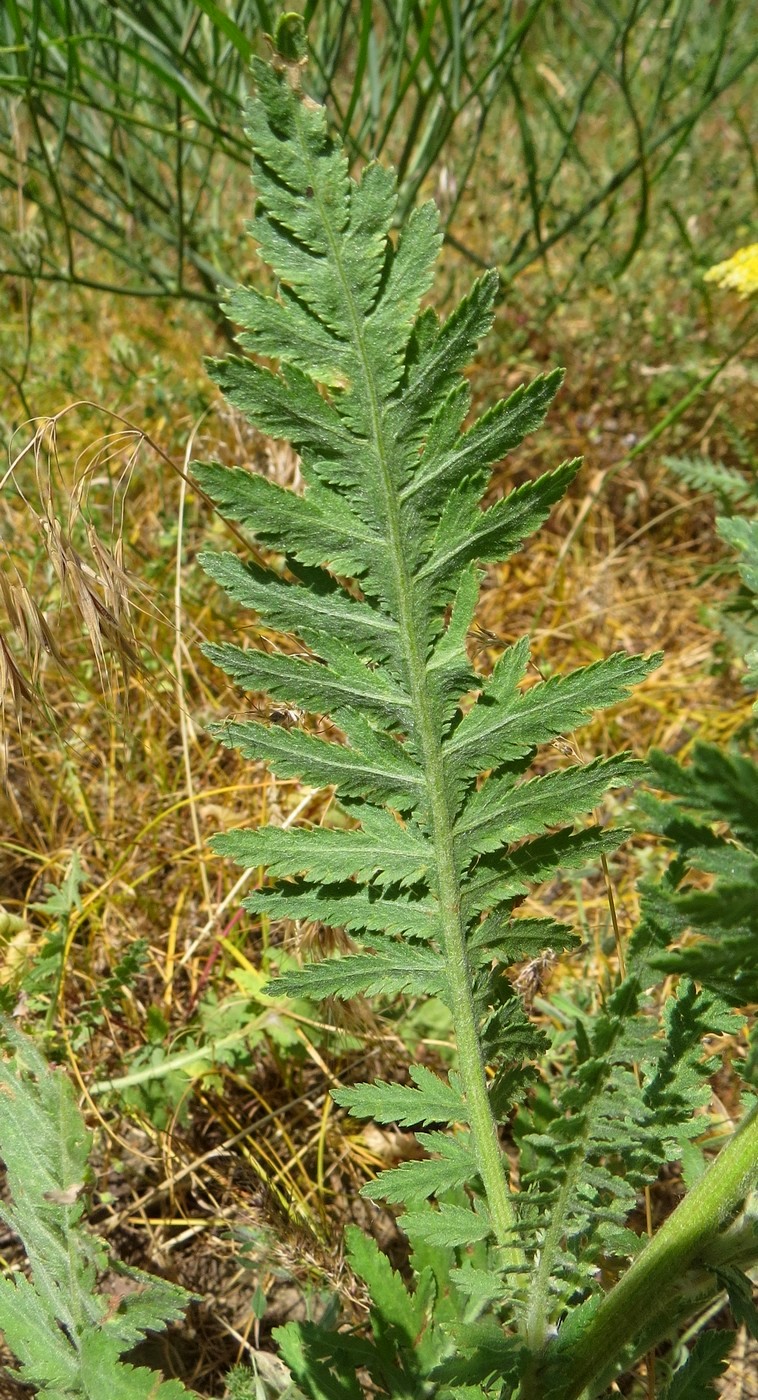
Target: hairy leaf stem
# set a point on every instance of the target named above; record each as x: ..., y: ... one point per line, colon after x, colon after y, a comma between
x: 535, y: 1326
x: 490, y: 1158
x: 655, y: 1276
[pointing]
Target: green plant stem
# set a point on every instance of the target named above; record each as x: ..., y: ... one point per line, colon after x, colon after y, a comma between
x: 491, y: 1160
x: 695, y: 1295
x: 683, y: 126
x: 696, y: 1290
x: 645, y: 1292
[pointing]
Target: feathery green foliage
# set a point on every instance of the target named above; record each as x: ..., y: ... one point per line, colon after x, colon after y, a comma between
x: 443, y: 825
x: 369, y: 389
x: 731, y: 488
x: 67, y: 1333
x: 711, y: 822
x: 370, y: 392
x: 736, y: 493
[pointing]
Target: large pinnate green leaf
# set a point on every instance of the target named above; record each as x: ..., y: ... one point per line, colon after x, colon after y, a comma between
x: 437, y: 818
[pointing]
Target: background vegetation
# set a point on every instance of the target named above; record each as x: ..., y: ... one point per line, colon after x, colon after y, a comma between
x: 601, y: 156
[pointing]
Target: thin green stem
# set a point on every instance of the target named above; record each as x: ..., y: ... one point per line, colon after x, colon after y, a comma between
x: 537, y: 1318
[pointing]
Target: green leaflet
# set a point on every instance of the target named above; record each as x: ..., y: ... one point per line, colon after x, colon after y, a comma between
x: 413, y: 1181
x: 705, y: 1363
x: 466, y: 534
x: 46, y: 1358
x: 312, y: 686
x: 438, y: 354
x: 501, y: 812
x: 379, y: 769
x: 501, y: 876
x: 392, y: 967
x: 450, y: 456
x: 395, y: 1308
x: 506, y: 723
x: 512, y: 940
x: 121, y: 1381
x: 485, y: 1362
x: 311, y: 1370
x: 349, y: 906
x: 717, y: 783
x: 739, y: 1288
x: 322, y: 609
x: 383, y: 849
x: 448, y: 1225
x: 728, y: 486
x: 311, y: 528
x: 625, y: 1109
x: 431, y: 1101
x: 405, y: 1343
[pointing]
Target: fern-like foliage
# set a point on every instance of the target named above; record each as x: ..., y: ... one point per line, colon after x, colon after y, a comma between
x: 625, y: 1108
x: 380, y: 569
x: 370, y: 391
x: 713, y: 826
x: 731, y: 488
x: 68, y: 1335
x: 736, y: 494
x: 709, y: 817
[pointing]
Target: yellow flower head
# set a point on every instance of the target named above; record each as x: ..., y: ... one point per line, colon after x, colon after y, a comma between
x: 739, y: 273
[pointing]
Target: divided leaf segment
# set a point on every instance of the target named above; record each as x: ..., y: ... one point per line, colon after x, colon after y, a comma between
x: 67, y: 1333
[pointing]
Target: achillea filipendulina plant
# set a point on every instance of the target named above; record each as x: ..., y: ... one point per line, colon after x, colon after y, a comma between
x: 381, y: 564
x: 529, y: 1275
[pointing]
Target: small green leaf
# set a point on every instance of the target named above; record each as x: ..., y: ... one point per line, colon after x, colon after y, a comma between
x: 514, y: 940
x: 705, y: 1363
x: 418, y: 1180
x: 501, y: 812
x: 383, y: 848
x: 394, y: 1309
x: 430, y: 1101
x: 740, y: 1291
x: 447, y: 1225
x: 393, y: 966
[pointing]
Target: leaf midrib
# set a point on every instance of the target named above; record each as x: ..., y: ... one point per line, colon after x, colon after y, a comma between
x: 484, y: 1132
